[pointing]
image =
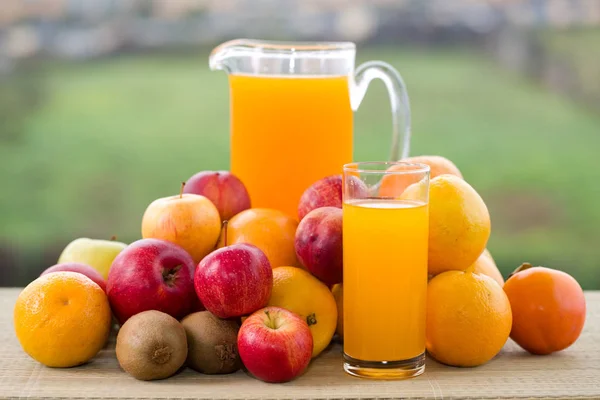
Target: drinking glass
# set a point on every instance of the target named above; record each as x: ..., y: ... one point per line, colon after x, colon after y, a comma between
x: 385, y: 239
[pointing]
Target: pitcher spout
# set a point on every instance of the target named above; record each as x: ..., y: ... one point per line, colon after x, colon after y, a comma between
x: 224, y: 56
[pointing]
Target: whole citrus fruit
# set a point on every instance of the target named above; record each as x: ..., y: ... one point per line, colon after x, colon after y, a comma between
x: 272, y: 231
x: 298, y: 291
x: 399, y: 177
x: 439, y: 165
x: 459, y: 224
x: 62, y: 319
x: 338, y: 295
x: 468, y: 318
x: 548, y: 309
x: 486, y: 265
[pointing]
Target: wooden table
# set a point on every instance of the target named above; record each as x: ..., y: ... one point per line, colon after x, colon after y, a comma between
x: 573, y: 373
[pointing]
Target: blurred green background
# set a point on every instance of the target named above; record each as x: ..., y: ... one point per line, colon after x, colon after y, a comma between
x: 88, y: 141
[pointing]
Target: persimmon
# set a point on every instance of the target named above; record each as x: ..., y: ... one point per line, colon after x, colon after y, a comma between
x: 548, y: 308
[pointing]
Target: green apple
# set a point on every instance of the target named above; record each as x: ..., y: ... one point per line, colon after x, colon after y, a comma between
x: 94, y: 252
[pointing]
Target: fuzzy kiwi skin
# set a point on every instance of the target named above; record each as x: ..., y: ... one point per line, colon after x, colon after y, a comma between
x: 151, y: 345
x: 212, y: 343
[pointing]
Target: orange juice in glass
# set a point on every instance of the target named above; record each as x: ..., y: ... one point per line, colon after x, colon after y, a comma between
x: 291, y: 108
x: 385, y: 268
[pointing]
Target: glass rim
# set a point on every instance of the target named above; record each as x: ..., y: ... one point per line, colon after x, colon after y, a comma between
x: 356, y: 167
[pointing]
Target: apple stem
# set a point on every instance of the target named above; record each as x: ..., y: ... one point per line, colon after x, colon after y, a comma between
x: 181, y: 190
x: 271, y: 322
x: 113, y: 238
x: 225, y: 223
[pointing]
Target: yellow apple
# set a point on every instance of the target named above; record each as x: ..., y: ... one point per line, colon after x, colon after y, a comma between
x: 189, y: 220
x: 93, y: 252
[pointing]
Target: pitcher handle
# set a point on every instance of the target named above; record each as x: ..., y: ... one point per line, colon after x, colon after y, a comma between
x: 399, y: 102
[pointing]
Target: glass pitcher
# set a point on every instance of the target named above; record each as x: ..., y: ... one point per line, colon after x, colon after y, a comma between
x: 291, y: 113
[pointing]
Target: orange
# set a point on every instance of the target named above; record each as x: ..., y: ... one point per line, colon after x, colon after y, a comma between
x: 298, y: 291
x: 459, y: 224
x: 62, y: 319
x: 394, y: 185
x: 486, y: 265
x: 338, y: 295
x: 439, y: 165
x: 272, y: 231
x: 548, y: 309
x: 468, y: 318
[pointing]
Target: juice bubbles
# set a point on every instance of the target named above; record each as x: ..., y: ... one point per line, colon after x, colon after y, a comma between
x: 287, y: 133
x: 385, y: 279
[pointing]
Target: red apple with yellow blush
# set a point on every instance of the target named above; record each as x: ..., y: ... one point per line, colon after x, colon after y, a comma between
x: 225, y: 190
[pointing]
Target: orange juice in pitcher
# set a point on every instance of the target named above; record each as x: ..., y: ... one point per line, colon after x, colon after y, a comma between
x: 291, y: 113
x: 279, y: 148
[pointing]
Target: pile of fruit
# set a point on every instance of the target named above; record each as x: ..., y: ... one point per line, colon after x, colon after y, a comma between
x: 216, y: 285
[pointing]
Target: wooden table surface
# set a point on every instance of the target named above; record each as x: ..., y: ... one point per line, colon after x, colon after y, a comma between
x: 573, y: 373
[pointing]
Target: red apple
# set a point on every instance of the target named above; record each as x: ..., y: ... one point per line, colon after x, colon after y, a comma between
x: 275, y: 344
x: 84, y: 269
x: 224, y: 189
x: 326, y: 192
x: 152, y: 274
x: 319, y: 244
x: 235, y: 280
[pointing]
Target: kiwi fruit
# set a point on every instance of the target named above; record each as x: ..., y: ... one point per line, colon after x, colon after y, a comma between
x: 151, y: 345
x: 212, y: 343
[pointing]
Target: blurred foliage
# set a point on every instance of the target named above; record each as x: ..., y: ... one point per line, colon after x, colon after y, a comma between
x: 575, y: 49
x: 20, y: 96
x: 115, y: 134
